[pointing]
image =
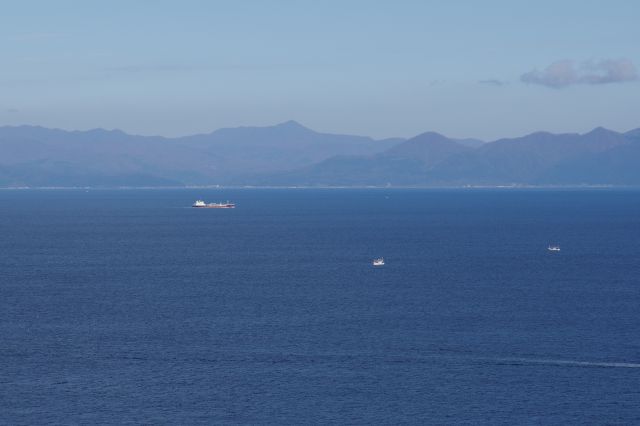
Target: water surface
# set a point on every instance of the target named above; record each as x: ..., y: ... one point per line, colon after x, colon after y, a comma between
x: 129, y: 306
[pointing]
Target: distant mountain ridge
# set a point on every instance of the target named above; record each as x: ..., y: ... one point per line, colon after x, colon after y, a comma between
x: 37, y: 156
x: 406, y: 163
x: 528, y: 159
x: 289, y: 154
x: 431, y: 159
x: 633, y: 134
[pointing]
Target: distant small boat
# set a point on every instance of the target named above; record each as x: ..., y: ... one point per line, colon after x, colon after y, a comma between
x: 553, y: 248
x: 378, y: 262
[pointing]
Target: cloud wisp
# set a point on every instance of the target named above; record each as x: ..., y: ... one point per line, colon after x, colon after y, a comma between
x: 567, y: 73
x: 492, y: 82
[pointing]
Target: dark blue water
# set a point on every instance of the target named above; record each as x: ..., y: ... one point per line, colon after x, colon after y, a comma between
x: 128, y: 306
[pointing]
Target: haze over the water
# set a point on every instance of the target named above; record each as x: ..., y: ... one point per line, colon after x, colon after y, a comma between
x: 385, y: 68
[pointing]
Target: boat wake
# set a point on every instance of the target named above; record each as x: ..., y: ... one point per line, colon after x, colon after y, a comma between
x: 568, y: 363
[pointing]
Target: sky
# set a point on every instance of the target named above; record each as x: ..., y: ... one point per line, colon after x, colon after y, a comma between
x: 484, y: 69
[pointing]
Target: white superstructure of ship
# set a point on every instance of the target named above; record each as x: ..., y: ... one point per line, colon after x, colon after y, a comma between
x: 200, y: 204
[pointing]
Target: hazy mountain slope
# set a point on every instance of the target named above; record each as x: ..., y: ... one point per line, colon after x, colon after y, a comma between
x: 433, y: 159
x: 349, y: 171
x: 45, y: 173
x: 284, y: 146
x: 523, y: 160
x: 633, y: 135
x: 406, y: 163
x: 290, y: 154
x: 617, y: 166
x: 430, y: 148
x: 470, y: 142
x: 29, y: 154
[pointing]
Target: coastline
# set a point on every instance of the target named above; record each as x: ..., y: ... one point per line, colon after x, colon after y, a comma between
x: 303, y: 187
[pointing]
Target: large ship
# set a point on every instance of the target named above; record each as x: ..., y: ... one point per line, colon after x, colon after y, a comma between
x: 202, y: 205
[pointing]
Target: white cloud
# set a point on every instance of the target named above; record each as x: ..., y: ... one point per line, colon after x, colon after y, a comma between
x: 566, y: 73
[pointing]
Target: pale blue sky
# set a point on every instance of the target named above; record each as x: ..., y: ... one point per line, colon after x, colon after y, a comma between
x: 379, y: 68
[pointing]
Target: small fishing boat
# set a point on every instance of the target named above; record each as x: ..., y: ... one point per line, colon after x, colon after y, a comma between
x: 378, y: 262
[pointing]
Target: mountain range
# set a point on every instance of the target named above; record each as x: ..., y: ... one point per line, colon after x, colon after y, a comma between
x: 289, y: 154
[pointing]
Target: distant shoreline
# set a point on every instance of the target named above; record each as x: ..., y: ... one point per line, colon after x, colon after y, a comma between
x: 218, y: 187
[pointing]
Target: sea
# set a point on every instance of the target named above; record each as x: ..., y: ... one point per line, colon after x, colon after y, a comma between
x: 131, y: 307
